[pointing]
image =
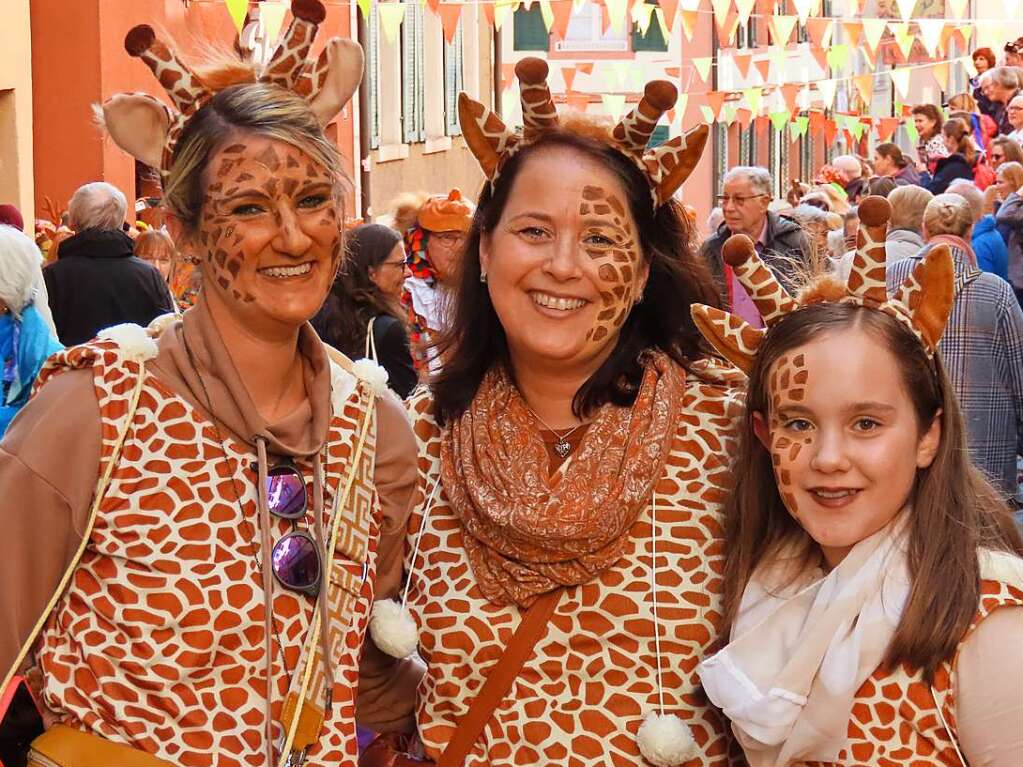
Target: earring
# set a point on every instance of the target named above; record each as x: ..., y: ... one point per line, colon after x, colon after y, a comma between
x: 483, y: 277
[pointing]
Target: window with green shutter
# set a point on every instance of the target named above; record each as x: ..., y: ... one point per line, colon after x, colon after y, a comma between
x: 529, y: 32
x: 453, y: 83
x: 653, y: 40
x: 413, y: 91
x: 373, y: 77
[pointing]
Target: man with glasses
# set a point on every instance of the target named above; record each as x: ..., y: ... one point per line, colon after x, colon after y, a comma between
x: 744, y: 200
x: 1001, y: 85
x: 1004, y: 149
x: 1014, y: 113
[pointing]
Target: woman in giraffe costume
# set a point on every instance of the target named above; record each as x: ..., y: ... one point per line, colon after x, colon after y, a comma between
x: 873, y: 579
x: 197, y: 526
x: 572, y: 457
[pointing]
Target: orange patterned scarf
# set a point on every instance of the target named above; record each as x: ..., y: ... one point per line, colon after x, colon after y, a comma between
x: 527, y: 532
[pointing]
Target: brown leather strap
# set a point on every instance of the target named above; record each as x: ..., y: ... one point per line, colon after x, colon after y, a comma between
x: 500, y: 679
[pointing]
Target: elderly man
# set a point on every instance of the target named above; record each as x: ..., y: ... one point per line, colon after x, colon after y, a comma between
x: 96, y: 281
x: 988, y: 245
x: 1014, y: 114
x: 746, y: 194
x: 1001, y: 85
x: 851, y: 171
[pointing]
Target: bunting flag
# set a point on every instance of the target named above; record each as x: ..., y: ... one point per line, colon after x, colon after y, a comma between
x: 958, y: 8
x: 391, y: 15
x: 865, y: 86
x: 965, y: 32
x: 820, y: 31
x: 670, y: 8
x: 614, y: 104
x: 799, y: 126
x: 449, y: 13
x: 886, y: 127
x: 689, y: 19
x: 681, y: 105
x: 838, y: 56
x: 568, y: 73
x: 903, y: 38
x: 432, y: 4
x: 764, y: 68
x: 853, y: 30
x: 727, y: 116
x: 742, y: 62
x: 820, y: 55
x: 930, y: 34
x: 488, y: 11
x: 586, y: 68
x: 745, y: 117
x: 803, y: 9
x: 817, y: 121
x: 827, y: 90
x: 781, y: 29
x: 753, y: 97
x: 507, y: 76
x: 940, y: 73
x: 562, y: 11
x: 789, y: 92
x: 708, y: 114
x: 900, y: 79
x: 641, y: 16
x: 870, y: 54
x: 873, y: 30
x: 239, y: 9
x: 744, y: 9
x: 779, y: 58
x: 271, y: 16
x: 779, y: 120
x: 968, y: 65
x: 715, y: 100
x: 665, y: 29
x: 616, y: 10
x: 906, y: 8
x: 578, y: 101
x: 911, y: 131
x: 501, y: 13
x: 702, y: 64
x: 547, y: 14
x: 721, y: 9
x: 830, y: 132
x: 726, y: 31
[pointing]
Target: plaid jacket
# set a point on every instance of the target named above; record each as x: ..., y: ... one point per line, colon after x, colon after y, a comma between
x: 983, y: 353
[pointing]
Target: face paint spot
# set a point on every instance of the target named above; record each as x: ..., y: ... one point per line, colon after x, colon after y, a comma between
x: 607, y: 273
x: 600, y: 333
x: 290, y: 186
x: 593, y: 193
x: 269, y: 158
x: 234, y: 149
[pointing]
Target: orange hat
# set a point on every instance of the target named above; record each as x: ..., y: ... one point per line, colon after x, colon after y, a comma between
x: 446, y: 214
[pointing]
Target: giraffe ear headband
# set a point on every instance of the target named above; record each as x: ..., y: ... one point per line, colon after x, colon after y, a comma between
x: 922, y: 303
x: 148, y: 129
x: 667, y: 166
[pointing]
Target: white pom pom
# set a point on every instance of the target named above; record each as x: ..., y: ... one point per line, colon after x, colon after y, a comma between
x: 371, y: 373
x: 133, y: 339
x: 665, y: 740
x: 393, y: 629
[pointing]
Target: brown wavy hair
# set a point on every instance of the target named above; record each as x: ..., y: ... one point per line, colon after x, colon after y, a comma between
x: 955, y: 509
x: 957, y: 130
x: 476, y: 341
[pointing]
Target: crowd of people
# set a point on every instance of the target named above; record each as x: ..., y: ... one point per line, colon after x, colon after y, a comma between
x: 545, y: 477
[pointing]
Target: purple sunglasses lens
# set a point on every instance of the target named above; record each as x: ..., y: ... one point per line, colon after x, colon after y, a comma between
x: 285, y: 493
x: 296, y: 563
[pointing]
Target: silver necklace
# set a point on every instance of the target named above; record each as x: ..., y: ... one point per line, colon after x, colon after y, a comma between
x: 562, y: 447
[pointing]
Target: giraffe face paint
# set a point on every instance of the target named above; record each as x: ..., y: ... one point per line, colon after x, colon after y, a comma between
x: 843, y: 437
x: 270, y: 230
x: 564, y: 264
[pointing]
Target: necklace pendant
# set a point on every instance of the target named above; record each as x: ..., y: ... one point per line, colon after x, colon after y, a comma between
x: 562, y: 447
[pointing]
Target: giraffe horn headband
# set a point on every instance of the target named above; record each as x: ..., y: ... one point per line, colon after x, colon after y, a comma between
x: 666, y: 166
x: 922, y: 303
x: 149, y: 130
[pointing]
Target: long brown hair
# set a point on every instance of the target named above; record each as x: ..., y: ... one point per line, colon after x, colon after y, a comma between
x: 957, y: 130
x: 955, y: 509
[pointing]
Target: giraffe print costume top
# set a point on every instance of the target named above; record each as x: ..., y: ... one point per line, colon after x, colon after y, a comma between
x: 158, y: 641
x: 581, y: 697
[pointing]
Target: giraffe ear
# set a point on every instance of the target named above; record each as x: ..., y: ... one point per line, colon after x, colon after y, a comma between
x: 867, y: 274
x: 671, y: 163
x: 736, y: 340
x: 138, y: 124
x: 340, y: 65
x: 486, y: 135
x: 285, y: 66
x: 928, y: 294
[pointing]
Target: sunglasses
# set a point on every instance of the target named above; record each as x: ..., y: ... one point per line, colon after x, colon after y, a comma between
x: 295, y: 558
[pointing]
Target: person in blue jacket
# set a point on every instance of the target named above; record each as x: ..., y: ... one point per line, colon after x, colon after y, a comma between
x: 988, y: 245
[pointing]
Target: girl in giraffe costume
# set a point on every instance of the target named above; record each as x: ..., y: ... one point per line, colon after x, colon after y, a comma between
x: 873, y: 582
x: 564, y: 553
x: 197, y: 526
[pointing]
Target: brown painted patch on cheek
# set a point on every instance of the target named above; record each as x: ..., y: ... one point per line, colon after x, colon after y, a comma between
x: 787, y: 382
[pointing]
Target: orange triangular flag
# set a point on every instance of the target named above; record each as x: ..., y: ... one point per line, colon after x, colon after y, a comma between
x: 871, y: 54
x: 562, y: 10
x: 886, y: 127
x: 670, y: 7
x: 727, y: 29
x: 569, y: 74
x: 715, y: 100
x: 432, y: 4
x: 449, y: 16
x: 853, y: 31
x: 789, y: 93
x: 507, y: 76
x: 762, y: 122
x: 671, y: 116
x: 816, y: 121
x: 742, y: 62
x: 577, y: 101
x: 673, y: 72
x: 586, y: 69
x: 820, y: 31
x: 821, y: 56
x: 865, y: 85
x: 763, y: 67
x: 745, y: 118
x: 689, y: 23
x: 488, y: 12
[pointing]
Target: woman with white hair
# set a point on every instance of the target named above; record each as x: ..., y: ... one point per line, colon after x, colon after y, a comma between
x: 26, y: 336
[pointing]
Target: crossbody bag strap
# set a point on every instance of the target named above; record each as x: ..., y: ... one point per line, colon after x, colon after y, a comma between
x: 500, y: 679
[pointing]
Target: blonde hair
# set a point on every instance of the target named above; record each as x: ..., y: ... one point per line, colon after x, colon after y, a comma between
x: 948, y: 214
x: 908, y: 204
x: 963, y: 102
x: 1011, y: 172
x: 259, y: 109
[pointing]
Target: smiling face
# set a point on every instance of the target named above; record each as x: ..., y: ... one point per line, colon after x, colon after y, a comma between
x: 924, y: 125
x: 270, y: 232
x: 564, y: 264
x: 843, y: 437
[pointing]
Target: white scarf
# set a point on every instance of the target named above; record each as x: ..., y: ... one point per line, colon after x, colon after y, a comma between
x: 801, y: 649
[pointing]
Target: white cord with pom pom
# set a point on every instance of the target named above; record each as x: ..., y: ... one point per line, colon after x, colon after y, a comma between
x: 664, y: 739
x: 391, y: 624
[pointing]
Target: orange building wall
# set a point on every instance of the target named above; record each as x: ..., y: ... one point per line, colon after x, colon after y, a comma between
x: 78, y: 59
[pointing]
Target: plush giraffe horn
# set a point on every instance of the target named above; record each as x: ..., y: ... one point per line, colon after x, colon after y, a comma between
x: 670, y: 164
x: 867, y: 275
x: 538, y: 112
x: 767, y: 293
x: 288, y: 60
x: 928, y: 294
x: 485, y: 134
x: 183, y: 87
x: 634, y: 131
x: 732, y: 336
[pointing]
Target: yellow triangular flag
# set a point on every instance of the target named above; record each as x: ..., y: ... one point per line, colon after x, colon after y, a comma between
x: 577, y: 5
x: 940, y: 72
x: 753, y: 98
x: 779, y: 58
x: 906, y: 8
x: 390, y: 15
x: 781, y: 28
x: 968, y: 65
x: 745, y: 9
x: 680, y: 106
x: 720, y: 10
x: 237, y: 9
x: 641, y: 15
x: 903, y: 37
x: 501, y: 10
x: 659, y: 15
x: 803, y: 8
x: 967, y: 32
x: 271, y: 16
x: 614, y: 104
x: 702, y: 64
x: 900, y: 79
x: 873, y: 31
x: 930, y: 34
x: 827, y: 90
x: 708, y: 114
x: 958, y: 8
x: 616, y: 10
x: 547, y: 14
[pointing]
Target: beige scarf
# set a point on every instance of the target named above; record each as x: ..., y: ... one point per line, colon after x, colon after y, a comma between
x: 801, y: 649
x: 527, y: 532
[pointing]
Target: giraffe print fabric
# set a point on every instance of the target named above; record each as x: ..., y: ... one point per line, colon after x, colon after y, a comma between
x: 787, y: 383
x: 582, y: 695
x: 158, y: 642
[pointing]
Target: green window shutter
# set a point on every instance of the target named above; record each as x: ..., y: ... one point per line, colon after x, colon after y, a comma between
x: 372, y: 81
x: 653, y: 40
x: 413, y: 93
x: 530, y: 33
x: 453, y: 82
